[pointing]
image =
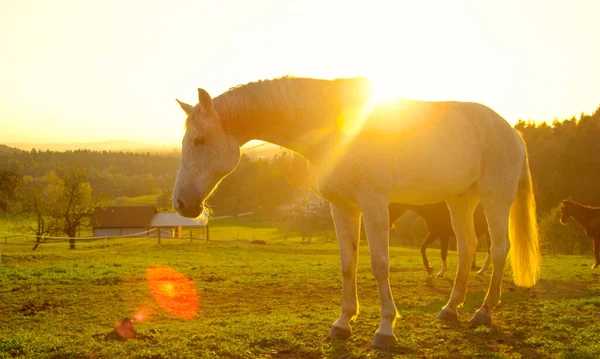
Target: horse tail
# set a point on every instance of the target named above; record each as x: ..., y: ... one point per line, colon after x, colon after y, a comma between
x: 523, y: 231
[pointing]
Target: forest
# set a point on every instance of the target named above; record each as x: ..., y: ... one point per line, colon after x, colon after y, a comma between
x: 564, y: 158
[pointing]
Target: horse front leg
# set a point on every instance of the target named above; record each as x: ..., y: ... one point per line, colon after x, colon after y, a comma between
x: 375, y: 213
x: 347, y: 228
x: 461, y: 211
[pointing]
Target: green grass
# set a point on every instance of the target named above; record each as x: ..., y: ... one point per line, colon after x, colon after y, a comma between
x: 147, y: 200
x: 8, y: 224
x: 276, y: 301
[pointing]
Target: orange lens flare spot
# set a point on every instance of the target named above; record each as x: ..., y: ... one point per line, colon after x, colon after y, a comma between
x: 174, y: 292
x: 169, y: 289
x: 139, y: 317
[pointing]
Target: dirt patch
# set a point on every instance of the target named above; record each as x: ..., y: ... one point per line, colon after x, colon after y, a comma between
x: 212, y: 278
x: 107, y: 281
x: 30, y: 309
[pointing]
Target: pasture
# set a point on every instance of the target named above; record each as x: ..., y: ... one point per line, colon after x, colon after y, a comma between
x: 277, y: 301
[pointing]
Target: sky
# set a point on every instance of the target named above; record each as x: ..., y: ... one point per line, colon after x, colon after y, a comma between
x: 81, y: 71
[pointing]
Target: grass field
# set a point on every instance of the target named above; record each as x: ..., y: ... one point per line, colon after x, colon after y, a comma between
x: 276, y: 301
x: 147, y: 200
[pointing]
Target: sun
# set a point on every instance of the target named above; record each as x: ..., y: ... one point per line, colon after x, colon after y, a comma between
x: 383, y: 89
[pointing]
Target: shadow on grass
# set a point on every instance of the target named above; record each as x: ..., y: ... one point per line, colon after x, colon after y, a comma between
x: 488, y: 339
x: 348, y: 349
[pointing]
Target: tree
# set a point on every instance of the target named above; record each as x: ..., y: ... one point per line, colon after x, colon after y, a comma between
x: 163, y: 201
x: 295, y: 172
x: 36, y: 199
x: 9, y: 182
x: 148, y: 185
x: 75, y: 205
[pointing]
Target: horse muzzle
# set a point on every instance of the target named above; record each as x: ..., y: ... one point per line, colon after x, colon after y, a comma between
x: 190, y: 209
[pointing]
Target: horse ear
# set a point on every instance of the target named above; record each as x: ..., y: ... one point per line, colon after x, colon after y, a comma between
x: 205, y: 100
x: 186, y: 108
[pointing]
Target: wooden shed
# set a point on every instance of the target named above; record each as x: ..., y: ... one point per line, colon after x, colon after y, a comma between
x: 123, y: 221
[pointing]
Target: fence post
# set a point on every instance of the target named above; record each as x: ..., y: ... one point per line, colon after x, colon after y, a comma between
x: 105, y: 243
x: 190, y: 236
x: 158, y: 231
x: 206, y: 234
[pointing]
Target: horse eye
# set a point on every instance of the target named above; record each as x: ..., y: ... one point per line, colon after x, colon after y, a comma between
x: 198, y: 141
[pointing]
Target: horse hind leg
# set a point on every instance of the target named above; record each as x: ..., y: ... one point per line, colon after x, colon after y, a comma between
x: 444, y: 254
x: 375, y: 213
x: 488, y: 257
x: 428, y: 240
x: 497, y: 215
x: 461, y: 208
x: 347, y: 227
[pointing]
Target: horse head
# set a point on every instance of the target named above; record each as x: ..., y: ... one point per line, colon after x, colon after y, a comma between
x: 208, y: 154
x: 565, y: 210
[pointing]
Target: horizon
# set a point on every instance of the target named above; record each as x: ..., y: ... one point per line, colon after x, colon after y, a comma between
x: 81, y: 72
x: 112, y: 145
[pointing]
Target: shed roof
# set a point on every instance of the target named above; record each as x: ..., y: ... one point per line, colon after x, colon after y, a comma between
x: 124, y: 217
x: 173, y: 219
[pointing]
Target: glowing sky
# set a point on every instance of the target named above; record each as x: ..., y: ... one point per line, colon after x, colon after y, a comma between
x: 75, y: 70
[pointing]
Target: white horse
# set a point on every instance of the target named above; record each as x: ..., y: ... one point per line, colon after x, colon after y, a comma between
x: 366, y: 156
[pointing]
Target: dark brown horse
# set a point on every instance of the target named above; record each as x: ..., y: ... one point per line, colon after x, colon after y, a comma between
x: 438, y: 222
x: 588, y: 217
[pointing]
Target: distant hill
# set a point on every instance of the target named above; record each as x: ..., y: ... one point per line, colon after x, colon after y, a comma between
x: 4, y: 148
x: 254, y: 151
x: 95, y: 146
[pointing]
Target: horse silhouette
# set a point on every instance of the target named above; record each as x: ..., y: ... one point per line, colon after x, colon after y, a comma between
x: 439, y: 225
x: 588, y: 218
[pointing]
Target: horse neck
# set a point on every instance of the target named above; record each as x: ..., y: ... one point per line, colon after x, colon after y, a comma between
x: 581, y: 213
x: 299, y: 114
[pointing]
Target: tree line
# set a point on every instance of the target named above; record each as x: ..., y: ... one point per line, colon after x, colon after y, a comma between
x: 111, y: 174
x: 565, y: 163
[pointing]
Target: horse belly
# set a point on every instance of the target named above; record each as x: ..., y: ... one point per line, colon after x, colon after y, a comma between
x: 417, y: 165
x: 404, y: 179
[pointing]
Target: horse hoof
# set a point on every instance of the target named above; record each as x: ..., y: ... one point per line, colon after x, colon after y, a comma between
x: 429, y: 270
x: 447, y: 315
x: 441, y: 274
x: 339, y: 333
x: 480, y: 318
x: 383, y: 341
x: 594, y: 266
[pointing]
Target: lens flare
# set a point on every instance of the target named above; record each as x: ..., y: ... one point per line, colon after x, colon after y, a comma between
x: 175, y: 293
x: 139, y: 316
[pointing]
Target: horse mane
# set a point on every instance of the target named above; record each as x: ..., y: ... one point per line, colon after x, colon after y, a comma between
x: 286, y: 86
x: 268, y: 101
